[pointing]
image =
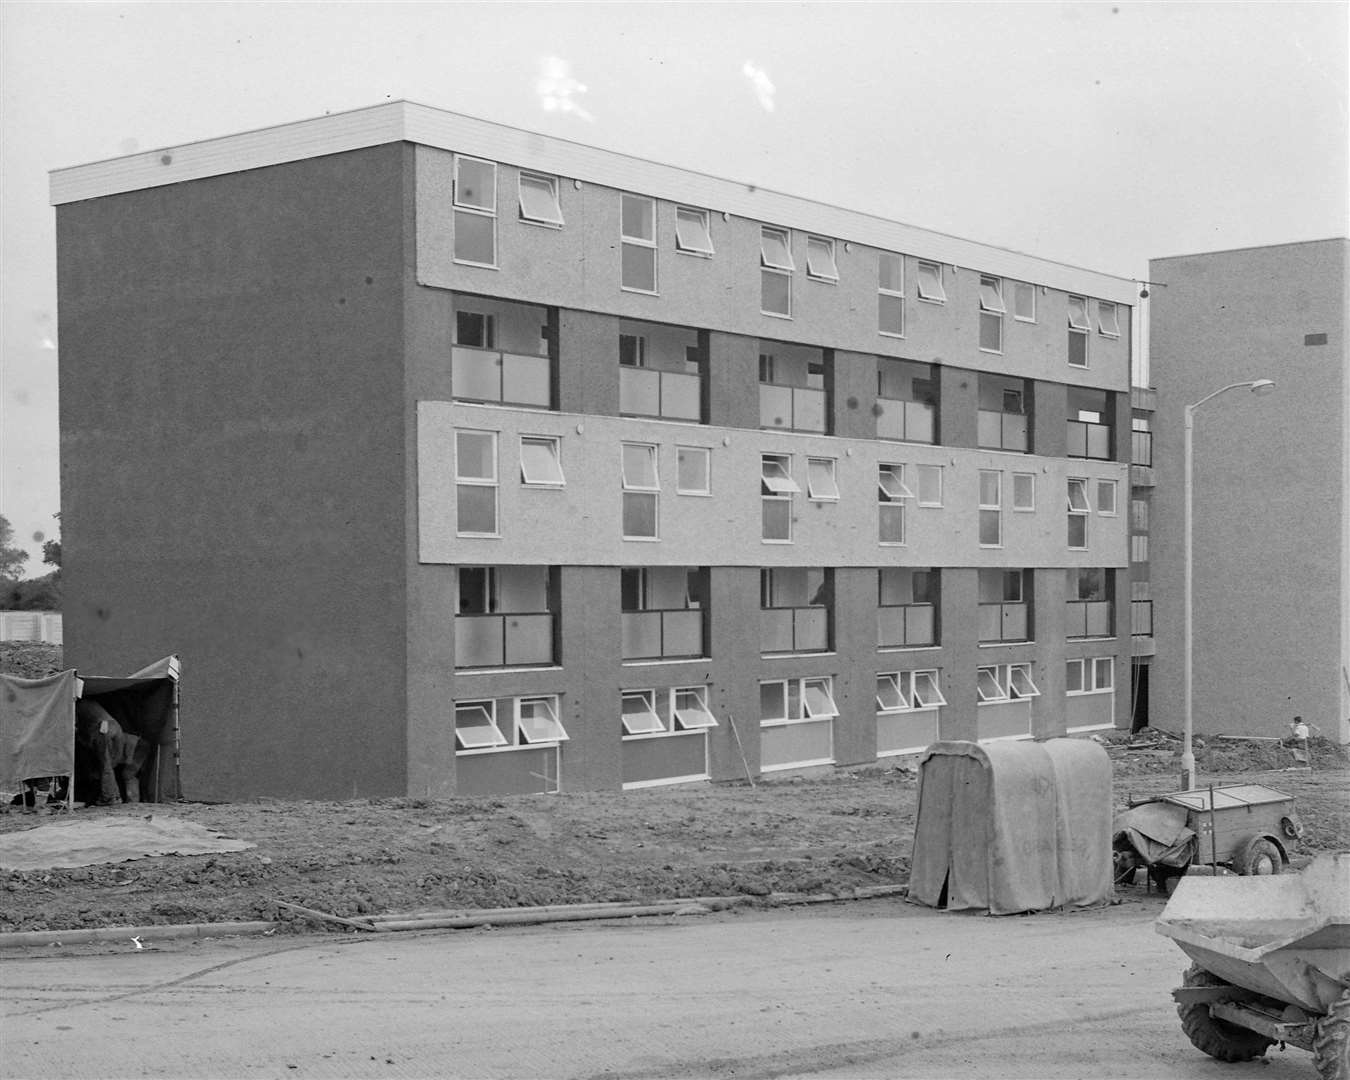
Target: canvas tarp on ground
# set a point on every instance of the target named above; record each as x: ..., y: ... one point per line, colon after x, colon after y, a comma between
x: 1011, y: 827
x: 38, y: 727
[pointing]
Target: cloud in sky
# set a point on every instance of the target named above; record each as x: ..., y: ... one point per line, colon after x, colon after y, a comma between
x: 760, y: 83
x: 557, y: 89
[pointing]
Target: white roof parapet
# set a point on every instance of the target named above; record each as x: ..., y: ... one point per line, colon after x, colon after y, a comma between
x: 405, y: 121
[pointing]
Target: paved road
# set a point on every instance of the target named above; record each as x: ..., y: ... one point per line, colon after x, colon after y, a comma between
x: 875, y: 989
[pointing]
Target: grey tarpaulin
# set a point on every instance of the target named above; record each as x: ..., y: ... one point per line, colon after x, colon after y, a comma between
x: 37, y: 728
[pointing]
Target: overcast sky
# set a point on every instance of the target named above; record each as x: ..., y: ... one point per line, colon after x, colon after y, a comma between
x: 1097, y: 134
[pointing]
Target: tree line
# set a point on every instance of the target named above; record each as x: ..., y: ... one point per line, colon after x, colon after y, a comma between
x: 33, y: 594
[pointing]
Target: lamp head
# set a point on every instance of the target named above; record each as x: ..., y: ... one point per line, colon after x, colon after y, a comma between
x: 1262, y: 386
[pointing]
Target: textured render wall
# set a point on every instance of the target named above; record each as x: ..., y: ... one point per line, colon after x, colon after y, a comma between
x: 1271, y: 476
x: 577, y: 267
x: 232, y: 443
x: 726, y: 528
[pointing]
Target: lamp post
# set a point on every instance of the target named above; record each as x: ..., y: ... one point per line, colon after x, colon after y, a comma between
x: 1256, y: 386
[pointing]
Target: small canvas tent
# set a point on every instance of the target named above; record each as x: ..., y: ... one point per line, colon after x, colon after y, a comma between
x: 1013, y: 826
x: 115, y: 738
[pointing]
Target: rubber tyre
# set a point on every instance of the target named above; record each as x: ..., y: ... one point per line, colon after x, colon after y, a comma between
x: 1217, y: 1038
x: 1331, y: 1044
x: 1260, y: 858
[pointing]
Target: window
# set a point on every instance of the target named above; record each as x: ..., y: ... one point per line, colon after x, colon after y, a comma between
x: 537, y: 720
x: 639, y: 713
x: 890, y: 294
x: 1141, y: 447
x: 991, y: 508
x: 775, y: 277
x: 476, y: 482
x: 930, y: 484
x: 505, y: 616
x: 903, y: 690
x: 1090, y: 608
x: 1091, y: 676
x: 541, y: 460
x: 1106, y: 497
x: 991, y: 314
x: 1024, y: 302
x: 930, y: 283
x: 475, y: 211
x: 907, y: 400
x: 632, y: 350
x: 476, y: 726
x: 820, y: 262
x: 641, y: 491
x: 693, y: 234
x: 820, y: 479
x: 1078, y: 331
x: 891, y: 494
x: 693, y: 470
x: 689, y: 708
x: 778, y: 488
x: 1024, y: 491
x: 1078, y: 513
x: 1108, y: 319
x: 475, y: 328
x: 637, y: 234
x: 539, y: 199
x: 795, y: 700
x: 796, y: 604
x: 1089, y: 423
x: 1005, y: 682
x: 907, y: 606
x: 796, y: 723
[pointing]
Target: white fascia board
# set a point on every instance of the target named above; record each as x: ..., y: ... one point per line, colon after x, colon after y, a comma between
x: 405, y: 121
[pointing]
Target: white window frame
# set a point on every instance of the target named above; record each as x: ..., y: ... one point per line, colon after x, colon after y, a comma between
x: 493, y: 737
x: 687, y: 218
x: 1080, y: 325
x: 1089, y: 677
x: 1113, y: 509
x: 822, y: 484
x: 553, y: 731
x: 1020, y: 684
x: 646, y: 722
x: 697, y: 718
x: 774, y: 264
x: 1028, y: 483
x: 549, y: 212
x: 645, y: 242
x: 1108, y: 319
x: 991, y: 304
x: 777, y: 485
x: 493, y: 482
x: 926, y: 475
x: 906, y: 686
x: 1011, y: 682
x: 806, y: 714
x: 1023, y: 289
x: 1076, y: 499
x: 891, y: 495
x: 821, y: 264
x: 637, y: 488
x: 930, y: 288
x: 894, y: 294
x: 995, y: 507
x: 552, y: 477
x: 932, y: 689
x: 460, y: 206
x: 681, y: 452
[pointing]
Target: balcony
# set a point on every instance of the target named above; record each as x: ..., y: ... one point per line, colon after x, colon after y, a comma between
x: 906, y: 421
x: 672, y: 395
x: 793, y: 630
x: 1089, y: 618
x: 794, y: 408
x: 906, y: 625
x: 662, y: 635
x: 513, y: 640
x: 1002, y: 431
x: 1004, y: 622
x: 1141, y: 618
x: 1089, y: 440
x: 490, y: 375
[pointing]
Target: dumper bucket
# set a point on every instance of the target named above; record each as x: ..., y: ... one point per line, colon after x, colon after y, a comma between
x: 1286, y: 936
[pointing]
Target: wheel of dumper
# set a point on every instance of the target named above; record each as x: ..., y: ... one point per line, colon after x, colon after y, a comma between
x: 1331, y: 1044
x: 1260, y: 858
x: 1217, y: 1038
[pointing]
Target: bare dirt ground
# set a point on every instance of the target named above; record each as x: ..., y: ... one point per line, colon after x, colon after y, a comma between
x: 851, y: 829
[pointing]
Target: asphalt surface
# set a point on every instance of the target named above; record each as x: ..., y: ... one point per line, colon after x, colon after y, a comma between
x: 868, y: 989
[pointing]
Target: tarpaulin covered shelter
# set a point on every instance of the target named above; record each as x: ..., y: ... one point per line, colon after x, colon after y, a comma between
x: 116, y: 738
x: 1013, y: 826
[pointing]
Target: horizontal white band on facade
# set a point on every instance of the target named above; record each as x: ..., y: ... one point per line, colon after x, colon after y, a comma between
x: 405, y: 121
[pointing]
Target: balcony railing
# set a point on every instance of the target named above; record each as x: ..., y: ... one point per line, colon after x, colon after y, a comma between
x: 906, y: 624
x: 674, y: 395
x: 503, y: 640
x: 795, y: 408
x: 1089, y: 618
x: 1002, y: 431
x: 1003, y: 622
x: 667, y: 634
x: 803, y: 629
x: 1141, y: 447
x: 1089, y: 440
x: 488, y: 375
x: 1141, y: 618
x: 906, y: 421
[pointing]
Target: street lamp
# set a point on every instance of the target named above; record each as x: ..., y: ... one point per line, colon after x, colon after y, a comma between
x: 1256, y: 386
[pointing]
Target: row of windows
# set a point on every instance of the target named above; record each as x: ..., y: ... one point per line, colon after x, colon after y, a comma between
x: 538, y: 203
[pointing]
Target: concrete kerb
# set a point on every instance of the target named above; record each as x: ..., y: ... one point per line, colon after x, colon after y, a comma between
x: 485, y: 917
